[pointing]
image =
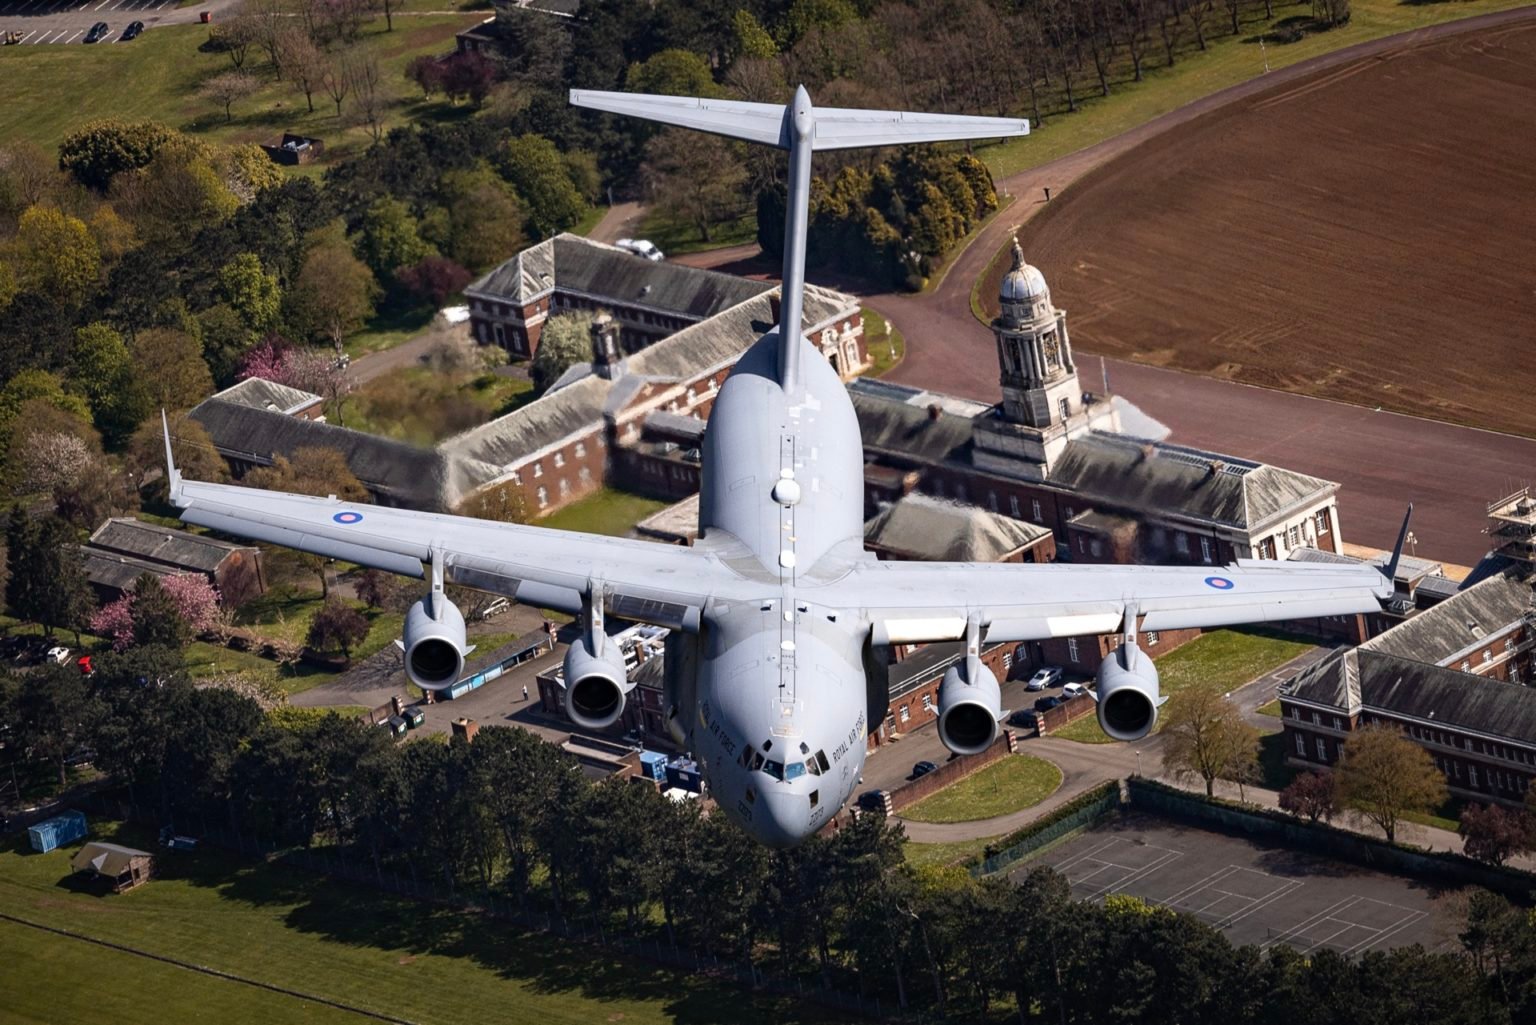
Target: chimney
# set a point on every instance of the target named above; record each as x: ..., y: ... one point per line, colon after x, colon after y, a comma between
x: 934, y: 409
x: 774, y: 301
x: 466, y: 728
x: 607, y: 357
x: 1217, y: 466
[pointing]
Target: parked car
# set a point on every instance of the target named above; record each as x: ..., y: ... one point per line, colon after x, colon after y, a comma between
x: 132, y: 31
x: 872, y: 800
x: 642, y: 248
x: 1024, y: 719
x: 97, y: 33
x: 1073, y: 690
x: 1050, y: 676
x: 1046, y: 703
x: 496, y: 608
x: 57, y: 655
x: 923, y: 769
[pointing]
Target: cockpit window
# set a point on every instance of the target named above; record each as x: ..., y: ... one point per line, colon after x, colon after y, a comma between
x: 821, y: 760
x: 767, y: 745
x: 757, y: 760
x: 812, y: 767
x: 794, y: 770
x: 774, y: 769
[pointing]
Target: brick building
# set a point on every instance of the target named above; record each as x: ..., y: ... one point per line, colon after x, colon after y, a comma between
x: 1453, y: 678
x: 122, y: 549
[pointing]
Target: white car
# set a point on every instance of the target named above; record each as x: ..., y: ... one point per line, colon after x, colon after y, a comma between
x: 640, y: 247
x: 58, y: 655
x: 1050, y: 676
x: 1073, y: 690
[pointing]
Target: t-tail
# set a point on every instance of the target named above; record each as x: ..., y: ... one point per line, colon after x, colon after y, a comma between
x: 801, y: 129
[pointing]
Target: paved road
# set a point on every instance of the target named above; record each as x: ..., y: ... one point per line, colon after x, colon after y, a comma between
x: 67, y: 21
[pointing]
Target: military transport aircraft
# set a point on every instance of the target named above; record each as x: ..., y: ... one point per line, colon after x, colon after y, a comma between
x: 779, y: 619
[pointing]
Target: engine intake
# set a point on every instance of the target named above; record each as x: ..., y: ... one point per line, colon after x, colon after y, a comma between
x: 968, y: 709
x: 434, y: 646
x: 595, y: 685
x: 1128, y: 695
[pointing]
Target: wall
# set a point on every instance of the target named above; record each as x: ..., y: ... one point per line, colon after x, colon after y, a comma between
x: 952, y: 771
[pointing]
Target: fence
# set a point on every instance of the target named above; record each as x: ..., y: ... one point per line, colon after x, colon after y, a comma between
x: 334, y: 863
x: 1083, y: 810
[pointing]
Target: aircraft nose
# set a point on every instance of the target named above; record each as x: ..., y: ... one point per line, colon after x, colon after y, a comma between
x: 784, y: 819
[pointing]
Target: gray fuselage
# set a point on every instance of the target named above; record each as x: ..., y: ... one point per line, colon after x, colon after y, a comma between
x: 781, y: 692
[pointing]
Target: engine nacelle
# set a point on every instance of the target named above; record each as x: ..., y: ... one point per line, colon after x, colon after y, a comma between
x: 969, y: 709
x: 595, y: 685
x: 1128, y: 696
x: 434, y: 647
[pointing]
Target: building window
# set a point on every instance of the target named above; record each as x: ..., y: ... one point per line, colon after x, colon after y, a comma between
x: 581, y: 450
x: 1322, y: 749
x: 1509, y: 644
x: 1466, y: 666
x: 1292, y: 536
x: 906, y: 713
x: 538, y: 469
x: 992, y: 500
x: 1181, y: 542
x: 565, y: 487
x: 1066, y: 408
x: 1034, y: 508
x: 1151, y: 636
x: 1338, y: 723
x: 585, y: 475
x: 517, y: 478
x: 1295, y: 713
x: 1472, y: 775
x: 1205, y: 549
x: 1013, y: 506
x: 1317, y: 720
x: 1487, y: 656
x: 543, y: 496
x: 559, y: 459
x: 1072, y: 649
x: 927, y: 702
x: 1069, y: 512
x: 1301, y: 745
x: 1322, y: 521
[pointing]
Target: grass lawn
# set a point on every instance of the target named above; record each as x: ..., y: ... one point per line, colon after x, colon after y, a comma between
x: 319, y: 937
x: 674, y: 237
x: 607, y: 512
x: 1272, y: 708
x: 1220, y: 660
x: 1228, y: 61
x: 388, y: 330
x: 938, y: 855
x: 51, y: 90
x: 424, y: 406
x: 1005, y: 786
x: 883, y: 342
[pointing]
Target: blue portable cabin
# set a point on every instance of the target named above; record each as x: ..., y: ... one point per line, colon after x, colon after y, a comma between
x: 57, y: 831
x: 653, y: 765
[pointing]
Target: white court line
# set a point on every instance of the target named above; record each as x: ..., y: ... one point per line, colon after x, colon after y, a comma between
x: 1103, y: 867
x: 1319, y: 917
x: 1079, y: 857
x: 1120, y: 886
x: 1285, y: 887
x: 1344, y: 926
x: 1409, y: 918
x: 1195, y: 888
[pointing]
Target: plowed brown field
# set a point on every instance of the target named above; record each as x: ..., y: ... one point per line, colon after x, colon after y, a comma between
x: 1367, y: 234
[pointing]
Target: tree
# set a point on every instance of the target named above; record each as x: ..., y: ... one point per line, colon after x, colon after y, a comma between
x: 234, y: 38
x: 337, y: 626
x: 156, y: 615
x: 1205, y: 735
x: 1384, y: 774
x: 228, y: 88
x: 335, y: 290
x: 337, y: 77
x: 114, y: 235
x: 467, y: 75
x: 372, y: 97
x: 1310, y: 794
x: 427, y: 73
x: 1493, y: 834
x: 226, y: 340
x: 1331, y: 12
x: 300, y: 59
x: 181, y: 191
x: 485, y: 219
x: 55, y: 255
x: 47, y: 583
x: 752, y: 40
x: 700, y: 180
x: 565, y: 340
x: 98, y: 151
x: 312, y: 471
x: 54, y: 715
x: 196, y: 457
x: 433, y: 279
x: 536, y: 170
x: 390, y: 7
x: 672, y: 72
x: 389, y: 240
x: 251, y: 291
x: 377, y: 589
x: 169, y: 367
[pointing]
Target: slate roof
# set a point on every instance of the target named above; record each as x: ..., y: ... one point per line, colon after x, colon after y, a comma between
x: 922, y: 527
x: 173, y: 547
x: 570, y: 263
x: 1442, y: 631
x: 260, y: 393
x: 910, y: 432
x: 116, y: 571
x: 395, y: 470
x: 487, y: 451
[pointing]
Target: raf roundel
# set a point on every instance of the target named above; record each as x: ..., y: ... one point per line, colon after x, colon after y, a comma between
x: 348, y: 517
x: 1220, y: 583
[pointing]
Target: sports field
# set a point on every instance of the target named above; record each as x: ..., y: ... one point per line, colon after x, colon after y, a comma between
x: 1365, y: 234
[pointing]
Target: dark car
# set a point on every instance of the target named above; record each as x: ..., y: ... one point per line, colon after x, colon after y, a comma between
x: 1045, y: 704
x: 872, y: 800
x: 1024, y: 719
x: 97, y: 33
x: 132, y: 31
x: 923, y: 769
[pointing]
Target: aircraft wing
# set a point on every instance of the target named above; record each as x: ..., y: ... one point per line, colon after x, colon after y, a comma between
x: 913, y: 602
x: 642, y: 580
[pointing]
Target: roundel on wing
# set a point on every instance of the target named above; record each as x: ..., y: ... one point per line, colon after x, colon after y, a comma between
x: 348, y: 517
x: 1220, y: 583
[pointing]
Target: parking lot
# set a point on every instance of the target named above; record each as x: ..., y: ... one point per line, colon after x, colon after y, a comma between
x: 67, y: 21
x: 1253, y: 893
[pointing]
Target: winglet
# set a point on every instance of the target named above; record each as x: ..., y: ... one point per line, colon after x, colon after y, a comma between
x: 1390, y: 570
x: 172, y: 475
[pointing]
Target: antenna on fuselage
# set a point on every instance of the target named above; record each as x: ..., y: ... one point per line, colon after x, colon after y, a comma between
x: 801, y: 129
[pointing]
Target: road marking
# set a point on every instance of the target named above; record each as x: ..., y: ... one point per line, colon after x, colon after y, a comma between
x: 77, y: 35
x: 28, y: 35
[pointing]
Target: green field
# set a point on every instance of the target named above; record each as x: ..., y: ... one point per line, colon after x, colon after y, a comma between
x: 1219, y: 660
x: 1005, y: 786
x: 50, y: 90
x: 607, y: 512
x: 1228, y: 61
x: 884, y: 344
x: 321, y: 938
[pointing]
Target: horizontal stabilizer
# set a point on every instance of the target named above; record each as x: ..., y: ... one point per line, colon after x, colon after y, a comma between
x: 768, y: 123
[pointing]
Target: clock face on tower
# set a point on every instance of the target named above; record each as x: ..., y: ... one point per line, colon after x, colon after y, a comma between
x: 1052, y: 352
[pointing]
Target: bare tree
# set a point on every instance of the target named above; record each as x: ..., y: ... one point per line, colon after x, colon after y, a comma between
x: 698, y: 180
x: 236, y: 36
x: 1170, y: 25
x: 371, y: 98
x: 1099, y: 36
x: 225, y: 89
x: 302, y: 61
x: 268, y: 24
x: 390, y: 7
x: 1134, y: 17
x: 1196, y: 10
x: 337, y: 77
x: 1234, y: 10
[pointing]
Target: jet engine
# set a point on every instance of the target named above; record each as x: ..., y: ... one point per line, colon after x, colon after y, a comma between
x: 968, y: 708
x: 434, y: 645
x: 1128, y: 696
x: 595, y: 684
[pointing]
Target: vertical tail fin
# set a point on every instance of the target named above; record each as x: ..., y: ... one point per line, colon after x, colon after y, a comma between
x: 801, y: 129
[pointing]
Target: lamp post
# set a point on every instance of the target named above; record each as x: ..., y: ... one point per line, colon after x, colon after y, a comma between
x: 1138, y: 763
